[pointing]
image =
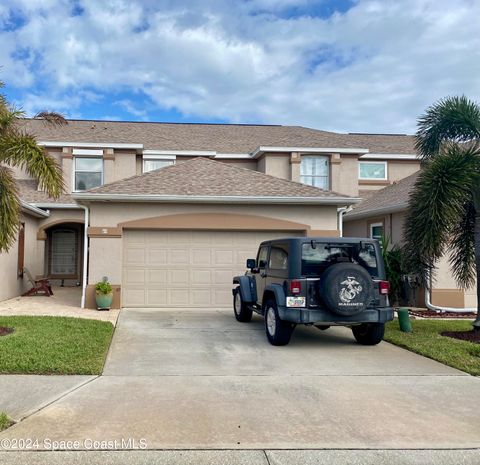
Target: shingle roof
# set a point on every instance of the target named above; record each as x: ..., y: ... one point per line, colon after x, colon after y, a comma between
x: 29, y: 193
x: 201, y: 177
x: 222, y: 138
x: 393, y: 197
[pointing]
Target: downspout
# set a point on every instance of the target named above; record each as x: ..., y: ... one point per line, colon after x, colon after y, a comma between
x: 85, y: 256
x: 437, y: 308
x: 341, y: 211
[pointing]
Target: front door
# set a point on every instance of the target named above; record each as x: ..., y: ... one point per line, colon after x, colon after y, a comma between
x: 64, y: 253
x: 260, y: 277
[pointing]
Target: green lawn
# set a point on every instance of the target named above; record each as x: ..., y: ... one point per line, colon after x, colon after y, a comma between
x: 426, y: 340
x: 5, y: 422
x: 54, y: 345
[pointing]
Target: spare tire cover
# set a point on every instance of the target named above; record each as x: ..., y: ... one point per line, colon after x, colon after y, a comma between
x: 346, y: 288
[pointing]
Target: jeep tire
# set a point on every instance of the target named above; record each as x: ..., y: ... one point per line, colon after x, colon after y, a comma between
x: 369, y: 334
x: 242, y: 312
x: 278, y: 331
x: 346, y: 289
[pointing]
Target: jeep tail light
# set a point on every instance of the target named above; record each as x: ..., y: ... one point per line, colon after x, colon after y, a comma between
x: 384, y: 287
x: 295, y: 287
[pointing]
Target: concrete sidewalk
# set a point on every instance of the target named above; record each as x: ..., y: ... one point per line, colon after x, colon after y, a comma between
x: 241, y: 457
x: 22, y: 395
x: 65, y: 301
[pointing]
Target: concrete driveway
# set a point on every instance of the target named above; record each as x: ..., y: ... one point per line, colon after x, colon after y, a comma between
x: 200, y: 380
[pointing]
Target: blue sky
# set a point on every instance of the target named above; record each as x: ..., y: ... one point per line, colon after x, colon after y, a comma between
x: 362, y: 65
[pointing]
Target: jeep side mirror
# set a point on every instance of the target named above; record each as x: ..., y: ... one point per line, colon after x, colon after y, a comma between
x: 251, y: 262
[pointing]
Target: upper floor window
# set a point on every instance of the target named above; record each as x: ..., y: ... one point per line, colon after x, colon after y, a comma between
x: 88, y: 173
x: 314, y: 171
x: 372, y: 170
x: 155, y: 164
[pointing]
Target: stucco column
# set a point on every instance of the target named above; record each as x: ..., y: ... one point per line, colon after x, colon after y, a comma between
x: 67, y: 168
x: 335, y: 173
x: 108, y: 166
x: 295, y: 160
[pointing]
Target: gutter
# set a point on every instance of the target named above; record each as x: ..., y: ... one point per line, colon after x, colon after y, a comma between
x: 262, y: 149
x: 216, y: 199
x: 106, y: 145
x: 63, y: 206
x: 390, y: 156
x: 33, y: 210
x: 341, y: 211
x: 85, y: 256
x: 376, y: 211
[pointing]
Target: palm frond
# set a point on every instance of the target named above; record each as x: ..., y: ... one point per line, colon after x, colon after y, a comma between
x: 21, y: 150
x: 462, y: 254
x: 8, y: 117
x: 9, y: 209
x: 437, y: 204
x: 51, y: 117
x: 452, y: 119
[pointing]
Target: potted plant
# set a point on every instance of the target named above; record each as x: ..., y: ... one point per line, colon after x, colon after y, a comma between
x: 103, y: 294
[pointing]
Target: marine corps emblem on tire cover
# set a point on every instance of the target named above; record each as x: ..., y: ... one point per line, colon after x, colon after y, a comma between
x: 346, y: 288
x: 350, y: 290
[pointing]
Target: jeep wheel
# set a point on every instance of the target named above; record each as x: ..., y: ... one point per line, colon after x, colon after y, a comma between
x: 369, y: 334
x: 346, y: 289
x: 240, y: 309
x: 278, y: 331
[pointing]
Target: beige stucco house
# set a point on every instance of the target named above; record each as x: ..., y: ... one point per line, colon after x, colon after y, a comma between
x: 170, y: 212
x: 384, y: 213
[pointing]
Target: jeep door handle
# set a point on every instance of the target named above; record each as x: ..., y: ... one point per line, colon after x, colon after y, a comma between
x: 263, y: 275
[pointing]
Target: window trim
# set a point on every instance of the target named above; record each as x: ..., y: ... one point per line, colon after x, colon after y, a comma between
x: 329, y: 173
x: 360, y: 162
x: 375, y: 225
x: 74, y: 171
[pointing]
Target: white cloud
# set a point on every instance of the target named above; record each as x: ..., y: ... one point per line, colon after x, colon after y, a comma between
x: 373, y: 68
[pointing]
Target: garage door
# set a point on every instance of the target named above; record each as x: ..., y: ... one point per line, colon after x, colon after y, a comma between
x: 167, y: 269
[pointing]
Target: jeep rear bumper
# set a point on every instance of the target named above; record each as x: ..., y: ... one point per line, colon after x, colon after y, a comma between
x: 306, y: 315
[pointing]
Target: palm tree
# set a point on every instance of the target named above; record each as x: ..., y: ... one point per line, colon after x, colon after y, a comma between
x: 444, y: 207
x: 20, y: 149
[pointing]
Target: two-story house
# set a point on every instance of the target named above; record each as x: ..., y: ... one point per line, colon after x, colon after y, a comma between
x: 170, y: 212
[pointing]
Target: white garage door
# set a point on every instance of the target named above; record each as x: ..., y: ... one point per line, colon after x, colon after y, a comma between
x: 167, y: 269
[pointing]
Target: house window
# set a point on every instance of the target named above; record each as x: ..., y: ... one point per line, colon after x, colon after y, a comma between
x: 376, y: 231
x: 88, y: 173
x: 21, y: 249
x: 372, y: 170
x: 314, y: 171
x: 155, y: 164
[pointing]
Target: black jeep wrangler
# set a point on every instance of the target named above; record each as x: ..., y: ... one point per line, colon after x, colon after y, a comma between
x: 316, y: 281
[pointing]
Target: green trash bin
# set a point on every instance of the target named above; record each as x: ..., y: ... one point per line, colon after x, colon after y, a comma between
x: 404, y: 320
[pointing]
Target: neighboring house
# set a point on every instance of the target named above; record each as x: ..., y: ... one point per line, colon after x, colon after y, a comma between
x: 171, y: 211
x: 384, y: 214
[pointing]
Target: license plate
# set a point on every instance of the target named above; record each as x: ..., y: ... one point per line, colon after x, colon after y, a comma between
x: 295, y: 301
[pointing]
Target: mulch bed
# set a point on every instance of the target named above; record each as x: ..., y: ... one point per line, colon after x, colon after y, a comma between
x: 470, y: 336
x: 432, y: 314
x: 5, y: 331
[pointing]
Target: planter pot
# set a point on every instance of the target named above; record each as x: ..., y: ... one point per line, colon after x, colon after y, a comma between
x: 104, y: 301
